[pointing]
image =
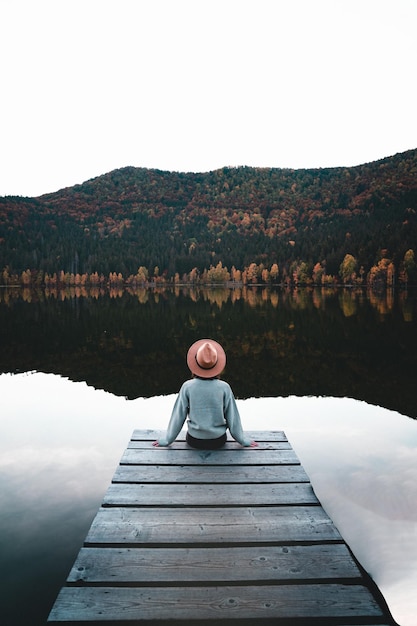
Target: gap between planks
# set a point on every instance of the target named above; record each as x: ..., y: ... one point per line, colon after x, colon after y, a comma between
x: 185, y: 536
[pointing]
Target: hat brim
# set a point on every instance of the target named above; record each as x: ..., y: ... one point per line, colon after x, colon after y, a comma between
x: 201, y: 371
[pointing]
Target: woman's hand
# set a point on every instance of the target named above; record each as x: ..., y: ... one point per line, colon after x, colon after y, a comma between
x: 156, y: 444
x: 253, y: 444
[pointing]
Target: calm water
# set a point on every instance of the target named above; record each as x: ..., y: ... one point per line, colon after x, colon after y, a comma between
x: 334, y: 343
x: 80, y: 373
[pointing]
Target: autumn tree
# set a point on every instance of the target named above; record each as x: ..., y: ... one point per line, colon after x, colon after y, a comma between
x: 252, y: 273
x: 299, y: 273
x: 318, y: 272
x: 382, y: 274
x: 408, y: 266
x: 142, y: 275
x: 236, y: 275
x: 265, y: 275
x: 218, y: 274
x: 26, y: 278
x: 274, y: 272
x: 6, y: 275
x: 347, y: 270
x: 194, y: 275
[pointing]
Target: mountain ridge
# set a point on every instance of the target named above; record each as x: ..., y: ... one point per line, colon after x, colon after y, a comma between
x: 180, y: 221
x: 211, y: 171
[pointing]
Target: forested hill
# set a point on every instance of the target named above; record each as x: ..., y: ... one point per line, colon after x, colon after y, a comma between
x: 183, y: 223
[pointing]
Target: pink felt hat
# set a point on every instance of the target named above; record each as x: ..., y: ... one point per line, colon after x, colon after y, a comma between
x: 206, y: 358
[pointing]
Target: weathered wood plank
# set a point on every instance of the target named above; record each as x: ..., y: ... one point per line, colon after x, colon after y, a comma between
x: 225, y: 564
x: 240, y: 456
x: 231, y: 474
x: 122, y: 494
x: 216, y: 602
x: 229, y: 445
x: 202, y: 526
x: 257, y: 435
x: 196, y: 537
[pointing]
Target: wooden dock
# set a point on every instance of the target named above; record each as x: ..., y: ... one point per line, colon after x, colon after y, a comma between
x: 198, y: 537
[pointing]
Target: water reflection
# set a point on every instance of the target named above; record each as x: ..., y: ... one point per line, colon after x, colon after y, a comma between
x: 58, y: 447
x: 349, y: 298
x: 61, y: 441
x: 363, y: 464
x: 281, y: 346
x: 343, y: 343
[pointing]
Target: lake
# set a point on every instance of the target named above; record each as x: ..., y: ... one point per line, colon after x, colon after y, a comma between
x: 335, y: 369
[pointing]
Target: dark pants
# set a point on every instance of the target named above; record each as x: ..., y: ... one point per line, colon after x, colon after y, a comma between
x: 206, y: 444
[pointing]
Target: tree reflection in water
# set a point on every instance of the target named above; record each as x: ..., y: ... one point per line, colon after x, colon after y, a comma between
x: 321, y: 342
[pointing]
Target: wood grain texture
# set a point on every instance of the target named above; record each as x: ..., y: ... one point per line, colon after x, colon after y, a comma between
x: 199, y: 538
x: 191, y: 474
x: 209, y: 495
x: 225, y: 525
x: 217, y: 602
x: 239, y: 456
x: 225, y: 564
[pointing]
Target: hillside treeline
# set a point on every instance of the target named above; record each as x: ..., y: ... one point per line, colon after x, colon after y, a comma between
x: 243, y: 224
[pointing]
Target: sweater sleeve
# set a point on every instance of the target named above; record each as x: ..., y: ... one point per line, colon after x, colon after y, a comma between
x: 232, y: 417
x: 178, y: 417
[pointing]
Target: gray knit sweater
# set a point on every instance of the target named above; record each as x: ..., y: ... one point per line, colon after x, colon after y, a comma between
x: 211, y: 409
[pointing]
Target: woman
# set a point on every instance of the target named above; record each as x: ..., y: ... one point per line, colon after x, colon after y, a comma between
x: 207, y: 401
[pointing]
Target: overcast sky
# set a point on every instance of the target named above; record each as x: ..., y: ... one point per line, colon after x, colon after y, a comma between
x: 88, y: 86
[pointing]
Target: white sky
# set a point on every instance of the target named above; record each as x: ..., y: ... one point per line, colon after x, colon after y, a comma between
x: 88, y: 86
